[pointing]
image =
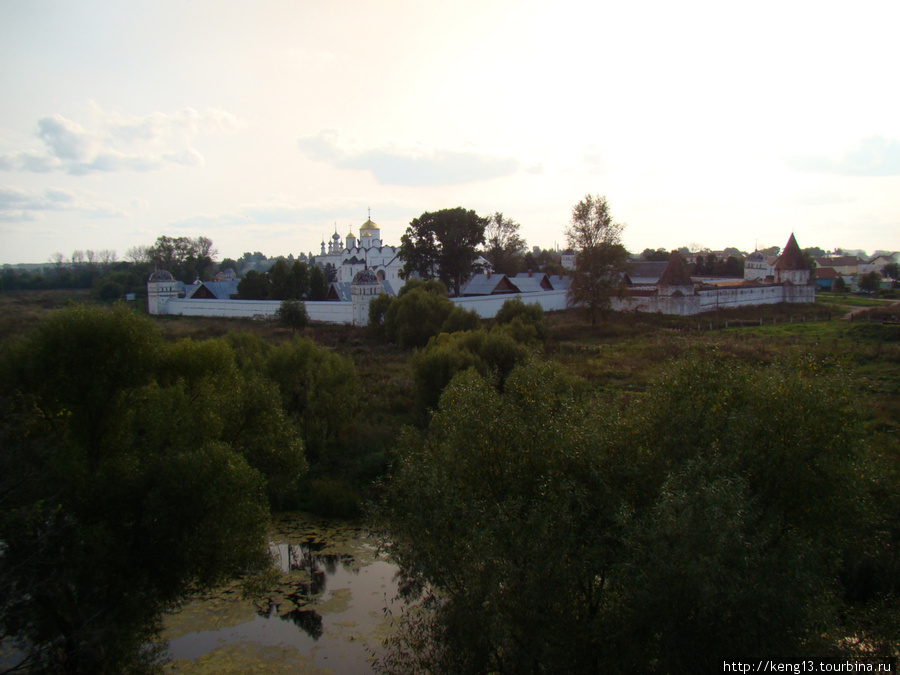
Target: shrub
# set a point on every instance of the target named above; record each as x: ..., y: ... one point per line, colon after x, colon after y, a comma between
x: 416, y: 316
x: 292, y: 314
x: 531, y: 315
x: 461, y: 320
x: 492, y: 354
x: 377, y: 310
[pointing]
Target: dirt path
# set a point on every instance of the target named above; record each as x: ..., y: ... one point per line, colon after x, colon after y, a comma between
x: 860, y: 310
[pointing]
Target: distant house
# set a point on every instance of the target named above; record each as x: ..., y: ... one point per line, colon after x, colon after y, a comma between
x: 825, y: 277
x: 531, y: 282
x: 759, y: 267
x: 212, y: 290
x: 845, y: 265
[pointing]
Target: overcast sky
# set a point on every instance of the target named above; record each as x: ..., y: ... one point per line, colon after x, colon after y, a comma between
x: 265, y: 125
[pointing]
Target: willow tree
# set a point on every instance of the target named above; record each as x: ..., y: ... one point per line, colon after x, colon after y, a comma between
x: 599, y: 256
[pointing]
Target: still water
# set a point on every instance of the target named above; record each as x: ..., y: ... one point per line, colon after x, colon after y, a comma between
x: 327, y: 612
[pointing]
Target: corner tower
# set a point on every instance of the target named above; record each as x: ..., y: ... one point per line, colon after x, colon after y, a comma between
x: 791, y: 267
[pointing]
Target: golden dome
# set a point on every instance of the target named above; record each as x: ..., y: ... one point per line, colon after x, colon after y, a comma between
x: 369, y: 229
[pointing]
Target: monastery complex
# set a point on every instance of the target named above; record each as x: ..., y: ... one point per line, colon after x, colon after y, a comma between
x: 364, y: 267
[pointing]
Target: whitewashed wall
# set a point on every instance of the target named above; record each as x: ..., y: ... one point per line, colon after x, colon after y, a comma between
x: 709, y: 300
x: 487, y: 306
x: 327, y: 312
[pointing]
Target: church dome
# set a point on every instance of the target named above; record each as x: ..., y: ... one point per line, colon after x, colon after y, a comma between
x: 369, y: 228
x: 161, y: 275
x: 365, y: 277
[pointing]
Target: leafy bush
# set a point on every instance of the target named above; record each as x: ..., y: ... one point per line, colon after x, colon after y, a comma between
x: 460, y: 320
x: 531, y: 315
x: 492, y: 354
x: 415, y: 316
x: 377, y: 310
x: 292, y: 314
x: 319, y: 391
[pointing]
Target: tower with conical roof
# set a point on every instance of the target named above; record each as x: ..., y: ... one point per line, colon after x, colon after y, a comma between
x: 791, y: 267
x: 675, y: 279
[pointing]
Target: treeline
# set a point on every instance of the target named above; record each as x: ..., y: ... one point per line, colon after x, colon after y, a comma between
x: 187, y: 258
x: 297, y: 281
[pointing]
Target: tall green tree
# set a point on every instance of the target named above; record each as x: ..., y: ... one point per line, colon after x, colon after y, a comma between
x: 288, y: 281
x: 504, y: 247
x: 318, y: 284
x: 186, y: 258
x: 253, y: 286
x: 599, y: 256
x: 870, y: 282
x: 443, y: 245
x: 892, y: 270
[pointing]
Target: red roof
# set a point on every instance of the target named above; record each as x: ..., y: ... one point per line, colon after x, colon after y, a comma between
x: 791, y: 258
x: 676, y: 273
x: 826, y: 273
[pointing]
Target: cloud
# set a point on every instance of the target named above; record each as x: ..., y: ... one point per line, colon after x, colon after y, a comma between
x: 819, y: 197
x: 593, y: 158
x: 414, y: 166
x: 277, y: 212
x: 18, y: 205
x: 113, y: 142
x: 875, y: 156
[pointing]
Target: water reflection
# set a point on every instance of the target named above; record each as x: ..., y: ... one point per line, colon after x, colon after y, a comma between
x: 308, y: 620
x: 327, y: 609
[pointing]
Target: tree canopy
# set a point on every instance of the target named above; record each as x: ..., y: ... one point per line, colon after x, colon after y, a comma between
x: 599, y: 256
x: 546, y: 529
x: 186, y: 258
x: 443, y: 245
x: 504, y: 248
x: 133, y: 471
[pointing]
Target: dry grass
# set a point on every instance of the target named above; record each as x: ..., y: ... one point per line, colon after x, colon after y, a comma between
x: 21, y: 310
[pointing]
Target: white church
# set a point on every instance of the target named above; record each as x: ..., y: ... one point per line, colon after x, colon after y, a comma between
x: 353, y: 255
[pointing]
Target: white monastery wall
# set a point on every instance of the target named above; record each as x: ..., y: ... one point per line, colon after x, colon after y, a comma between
x: 326, y: 312
x: 709, y: 300
x: 487, y: 306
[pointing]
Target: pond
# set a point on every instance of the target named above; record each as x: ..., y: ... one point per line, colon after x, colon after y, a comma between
x: 327, y: 611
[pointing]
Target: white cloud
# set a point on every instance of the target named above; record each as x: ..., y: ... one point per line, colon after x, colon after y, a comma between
x: 113, y: 142
x: 18, y: 205
x: 409, y: 164
x: 874, y: 156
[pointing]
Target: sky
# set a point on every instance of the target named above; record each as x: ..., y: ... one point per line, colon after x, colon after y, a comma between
x: 266, y: 126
